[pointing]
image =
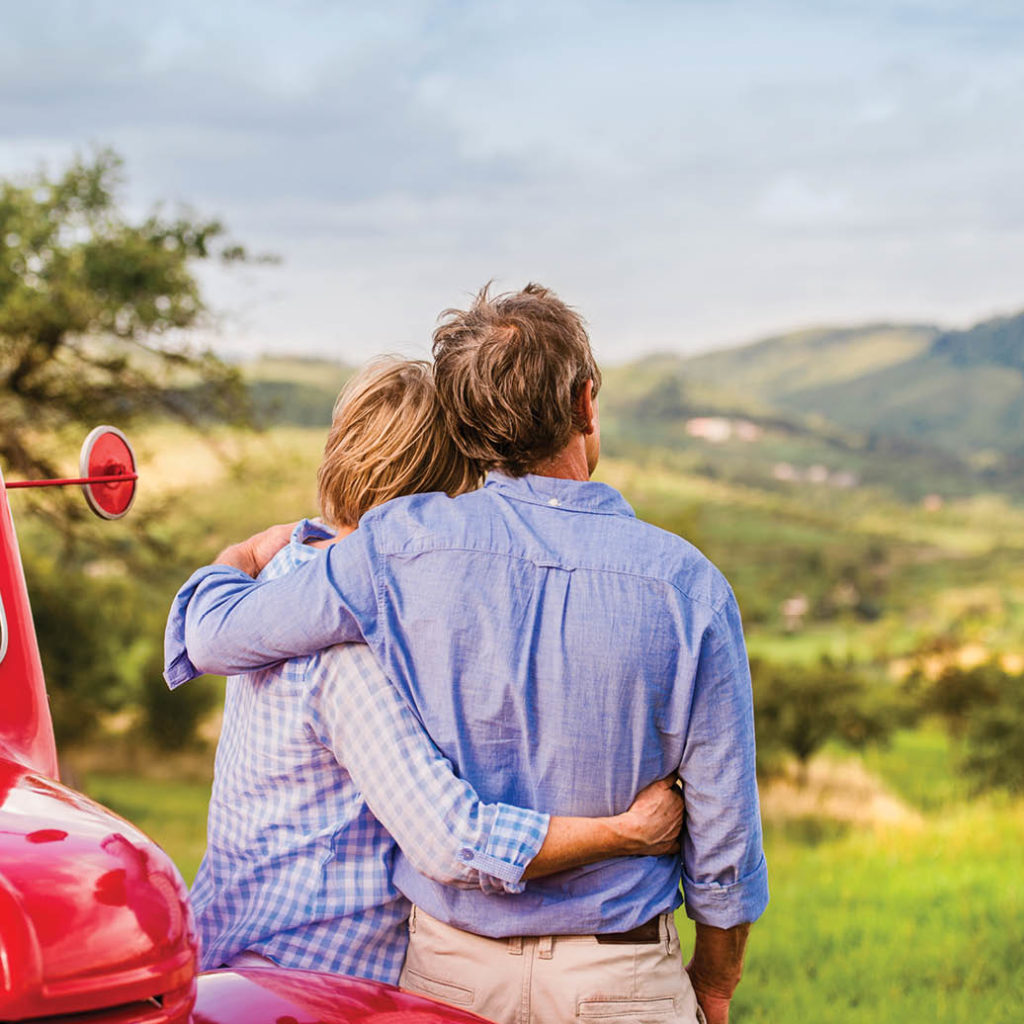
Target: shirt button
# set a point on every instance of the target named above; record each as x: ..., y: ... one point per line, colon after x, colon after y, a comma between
x: 466, y: 854
x: 552, y: 501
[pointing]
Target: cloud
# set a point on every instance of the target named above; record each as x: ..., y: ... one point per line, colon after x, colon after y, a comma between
x: 687, y: 173
x: 791, y: 201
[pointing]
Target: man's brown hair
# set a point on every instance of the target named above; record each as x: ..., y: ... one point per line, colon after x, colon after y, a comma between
x: 388, y: 438
x: 509, y: 371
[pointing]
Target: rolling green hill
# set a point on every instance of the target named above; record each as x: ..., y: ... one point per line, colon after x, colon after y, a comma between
x: 964, y: 392
x: 907, y: 407
x: 789, y: 364
x: 294, y: 390
x: 958, y: 390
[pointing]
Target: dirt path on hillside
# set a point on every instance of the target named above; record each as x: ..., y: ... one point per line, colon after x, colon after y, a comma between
x: 840, y: 790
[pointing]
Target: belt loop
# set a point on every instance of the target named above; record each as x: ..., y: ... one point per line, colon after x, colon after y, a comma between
x: 515, y: 945
x: 544, y: 946
x: 412, y: 920
x: 665, y: 919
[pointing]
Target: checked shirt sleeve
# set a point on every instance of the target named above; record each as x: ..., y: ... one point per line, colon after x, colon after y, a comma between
x: 438, y: 819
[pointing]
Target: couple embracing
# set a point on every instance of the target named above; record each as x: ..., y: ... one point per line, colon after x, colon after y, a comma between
x: 458, y: 712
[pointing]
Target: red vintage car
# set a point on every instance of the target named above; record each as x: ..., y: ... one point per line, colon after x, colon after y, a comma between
x: 95, y: 922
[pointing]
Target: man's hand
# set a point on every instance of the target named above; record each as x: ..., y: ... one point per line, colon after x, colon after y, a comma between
x: 253, y: 554
x: 715, y: 1008
x: 716, y: 968
x: 653, y: 822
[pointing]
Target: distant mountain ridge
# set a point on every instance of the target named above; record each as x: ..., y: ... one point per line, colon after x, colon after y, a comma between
x: 999, y: 342
x: 962, y: 391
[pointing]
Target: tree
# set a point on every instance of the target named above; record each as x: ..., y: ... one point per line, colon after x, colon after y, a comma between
x: 983, y: 709
x: 81, y: 624
x: 799, y: 708
x: 995, y: 739
x: 93, y: 310
x: 959, y: 693
x: 95, y: 306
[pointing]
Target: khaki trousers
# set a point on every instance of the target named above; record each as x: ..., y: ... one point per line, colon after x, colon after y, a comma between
x: 551, y: 979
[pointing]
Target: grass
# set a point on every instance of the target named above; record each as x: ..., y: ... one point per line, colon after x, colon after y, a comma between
x: 927, y: 568
x: 919, y: 765
x: 917, y: 924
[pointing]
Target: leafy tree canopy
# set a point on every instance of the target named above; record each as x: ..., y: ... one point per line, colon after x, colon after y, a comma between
x: 995, y: 739
x: 96, y: 307
x: 93, y: 310
x: 959, y: 693
x: 798, y: 709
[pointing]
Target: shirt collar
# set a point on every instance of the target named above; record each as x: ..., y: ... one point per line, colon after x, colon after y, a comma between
x: 297, y: 550
x: 557, y: 492
x: 310, y: 529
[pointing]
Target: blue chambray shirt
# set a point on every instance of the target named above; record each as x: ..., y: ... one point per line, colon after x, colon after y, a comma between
x: 561, y: 653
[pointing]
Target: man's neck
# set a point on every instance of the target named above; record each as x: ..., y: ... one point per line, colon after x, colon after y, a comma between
x: 569, y: 464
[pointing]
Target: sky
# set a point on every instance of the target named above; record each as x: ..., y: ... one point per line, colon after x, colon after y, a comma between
x: 688, y: 174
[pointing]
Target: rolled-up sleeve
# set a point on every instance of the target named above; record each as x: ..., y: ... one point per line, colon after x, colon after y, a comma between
x: 178, y: 665
x: 438, y: 820
x: 725, y: 877
x: 224, y: 622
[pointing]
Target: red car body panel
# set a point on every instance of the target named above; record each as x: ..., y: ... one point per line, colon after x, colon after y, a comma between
x: 92, y: 913
x: 26, y: 730
x: 271, y: 996
x: 95, y: 922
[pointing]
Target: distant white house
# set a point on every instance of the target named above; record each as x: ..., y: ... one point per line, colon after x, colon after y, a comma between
x: 718, y: 429
x: 794, y: 609
x: 844, y: 479
x: 786, y: 472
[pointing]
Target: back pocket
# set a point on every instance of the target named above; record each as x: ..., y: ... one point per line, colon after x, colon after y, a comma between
x: 627, y: 1011
x: 444, y: 990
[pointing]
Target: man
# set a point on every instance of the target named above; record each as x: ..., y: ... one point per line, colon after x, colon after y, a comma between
x: 317, y: 755
x: 562, y: 654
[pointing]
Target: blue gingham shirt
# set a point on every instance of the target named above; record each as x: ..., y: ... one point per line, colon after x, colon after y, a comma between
x: 562, y: 654
x: 298, y: 866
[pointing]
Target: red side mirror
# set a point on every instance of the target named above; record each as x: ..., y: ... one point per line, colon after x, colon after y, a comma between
x: 107, y: 465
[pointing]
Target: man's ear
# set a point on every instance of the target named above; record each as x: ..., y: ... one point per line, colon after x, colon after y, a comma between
x: 584, y: 408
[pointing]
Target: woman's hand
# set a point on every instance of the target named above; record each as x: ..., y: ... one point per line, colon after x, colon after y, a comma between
x: 253, y: 554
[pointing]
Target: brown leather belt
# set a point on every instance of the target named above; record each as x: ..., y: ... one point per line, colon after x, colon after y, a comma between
x: 643, y: 934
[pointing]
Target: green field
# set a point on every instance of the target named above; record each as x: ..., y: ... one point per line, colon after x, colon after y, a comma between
x: 893, y: 925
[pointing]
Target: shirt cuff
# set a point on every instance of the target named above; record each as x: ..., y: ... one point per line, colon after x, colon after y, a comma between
x: 725, y: 906
x: 514, y: 838
x: 178, y: 667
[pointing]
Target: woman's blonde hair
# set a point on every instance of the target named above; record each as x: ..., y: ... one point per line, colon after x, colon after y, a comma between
x: 388, y: 438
